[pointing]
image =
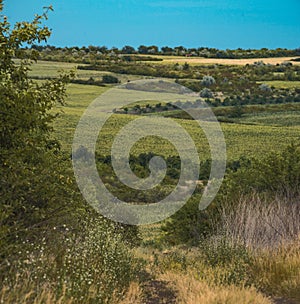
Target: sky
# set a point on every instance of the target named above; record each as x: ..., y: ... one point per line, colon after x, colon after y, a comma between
x: 192, y: 23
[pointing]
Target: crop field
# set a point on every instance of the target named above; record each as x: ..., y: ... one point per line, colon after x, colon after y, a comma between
x: 51, y: 69
x: 259, y: 130
x: 283, y: 84
x: 279, y: 119
x: 199, y: 60
x: 269, y: 131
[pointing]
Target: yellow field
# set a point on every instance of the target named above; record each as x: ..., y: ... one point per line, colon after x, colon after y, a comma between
x: 200, y: 60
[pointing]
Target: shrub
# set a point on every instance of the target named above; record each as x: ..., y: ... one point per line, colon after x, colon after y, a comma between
x: 188, y: 225
x: 208, y: 81
x: 275, y: 173
x: 110, y: 79
x: 206, y: 93
x: 265, y: 88
x: 88, y: 266
x: 220, y: 252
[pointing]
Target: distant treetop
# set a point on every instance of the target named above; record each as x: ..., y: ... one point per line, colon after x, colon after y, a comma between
x: 177, y: 51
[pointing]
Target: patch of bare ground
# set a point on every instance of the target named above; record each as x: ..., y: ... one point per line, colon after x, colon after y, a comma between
x: 284, y: 301
x: 158, y: 292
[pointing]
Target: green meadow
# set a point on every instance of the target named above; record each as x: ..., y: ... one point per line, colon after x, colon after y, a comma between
x: 252, y: 135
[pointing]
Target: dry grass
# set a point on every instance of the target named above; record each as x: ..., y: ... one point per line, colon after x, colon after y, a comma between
x: 227, y: 61
x: 278, y: 271
x: 275, y: 272
x: 191, y: 291
x: 26, y: 294
x: 134, y: 294
x: 271, y: 232
x: 256, y: 223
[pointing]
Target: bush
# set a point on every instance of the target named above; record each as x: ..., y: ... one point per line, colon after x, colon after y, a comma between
x: 265, y: 88
x: 86, y: 261
x: 88, y: 266
x: 277, y: 172
x: 206, y: 93
x: 188, y: 225
x: 233, y: 258
x: 110, y: 79
x: 35, y: 185
x: 208, y: 81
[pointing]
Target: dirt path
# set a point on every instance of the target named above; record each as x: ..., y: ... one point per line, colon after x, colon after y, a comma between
x: 284, y: 301
x: 157, y: 291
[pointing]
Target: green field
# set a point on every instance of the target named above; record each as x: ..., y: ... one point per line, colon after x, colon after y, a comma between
x: 283, y: 84
x: 51, y: 69
x: 279, y: 119
x: 241, y: 139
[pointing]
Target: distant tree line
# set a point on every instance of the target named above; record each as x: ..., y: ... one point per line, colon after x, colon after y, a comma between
x: 206, y: 52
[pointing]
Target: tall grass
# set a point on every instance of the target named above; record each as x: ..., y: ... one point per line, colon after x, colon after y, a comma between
x: 25, y: 293
x: 134, y: 294
x: 270, y: 232
x: 256, y: 247
x: 191, y: 291
x: 277, y: 271
x: 258, y: 223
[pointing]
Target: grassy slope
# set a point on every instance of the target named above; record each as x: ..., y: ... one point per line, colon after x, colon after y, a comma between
x: 50, y: 69
x: 241, y: 139
x: 287, y: 118
x: 164, y: 266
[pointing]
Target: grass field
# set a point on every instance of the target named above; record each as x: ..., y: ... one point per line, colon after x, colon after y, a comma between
x: 283, y: 84
x: 52, y: 68
x: 241, y: 139
x: 287, y: 119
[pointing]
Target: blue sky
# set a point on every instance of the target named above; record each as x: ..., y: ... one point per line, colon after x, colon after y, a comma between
x: 191, y: 23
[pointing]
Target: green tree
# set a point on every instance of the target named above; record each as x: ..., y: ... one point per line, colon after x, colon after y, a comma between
x: 127, y: 49
x: 43, y: 219
x: 166, y: 50
x: 34, y: 179
x: 110, y: 79
x: 142, y: 49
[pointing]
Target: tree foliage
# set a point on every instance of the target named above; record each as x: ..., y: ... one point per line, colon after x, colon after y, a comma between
x: 278, y: 173
x: 34, y: 180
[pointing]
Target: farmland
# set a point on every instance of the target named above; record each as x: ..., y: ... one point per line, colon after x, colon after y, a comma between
x: 207, y: 61
x: 254, y: 134
x: 194, y: 256
x: 241, y: 139
x: 149, y: 174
